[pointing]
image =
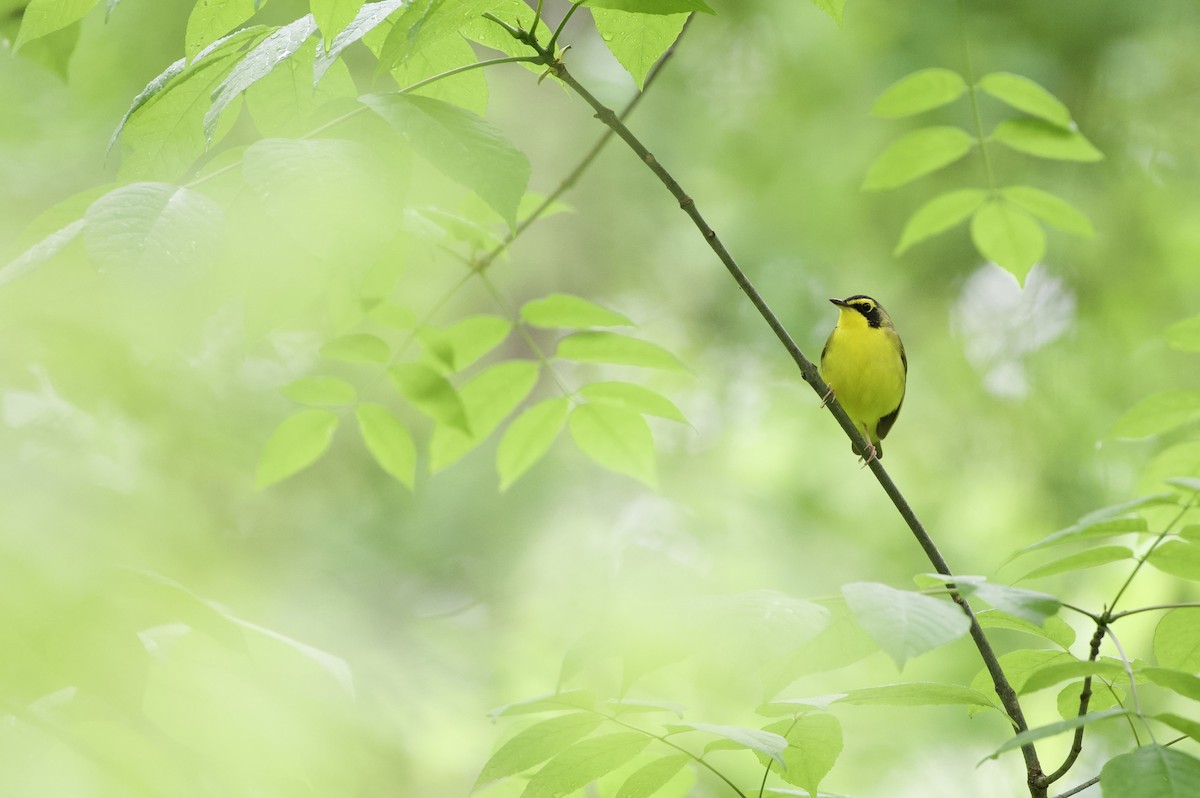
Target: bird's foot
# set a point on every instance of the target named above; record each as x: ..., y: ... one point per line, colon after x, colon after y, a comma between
x: 828, y: 395
x: 871, y: 454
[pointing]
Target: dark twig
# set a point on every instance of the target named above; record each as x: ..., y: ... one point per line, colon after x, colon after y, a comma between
x: 809, y: 372
x: 1085, y: 697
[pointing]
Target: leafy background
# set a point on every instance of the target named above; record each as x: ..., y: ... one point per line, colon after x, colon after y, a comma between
x: 181, y: 618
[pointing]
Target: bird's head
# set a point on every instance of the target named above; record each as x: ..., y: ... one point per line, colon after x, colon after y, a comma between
x: 861, y: 311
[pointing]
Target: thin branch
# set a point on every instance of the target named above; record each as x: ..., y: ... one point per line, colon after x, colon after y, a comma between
x: 1079, y: 789
x: 1142, y: 559
x: 1154, y: 607
x: 809, y: 372
x: 553, y: 43
x: 972, y: 95
x: 1085, y: 697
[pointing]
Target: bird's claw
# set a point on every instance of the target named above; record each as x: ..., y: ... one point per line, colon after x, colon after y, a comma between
x: 828, y: 395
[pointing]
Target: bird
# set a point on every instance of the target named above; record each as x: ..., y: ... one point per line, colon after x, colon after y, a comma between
x: 865, y: 367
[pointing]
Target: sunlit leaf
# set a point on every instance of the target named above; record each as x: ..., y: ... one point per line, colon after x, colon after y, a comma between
x: 212, y: 19
x: 616, y: 438
x: 1186, y: 725
x: 919, y: 92
x: 585, y: 761
x: 357, y: 348
x: 637, y: 41
x: 320, y: 390
x: 831, y: 7
x: 389, y: 442
x: 1104, y: 695
x: 298, y: 442
x: 1052, y: 729
x: 1185, y: 335
x: 258, y: 63
x: 537, y: 743
x: 1177, y: 558
x: 616, y: 349
x: 529, y: 437
x: 1185, y: 684
x: 814, y: 744
x: 1158, y: 413
x: 650, y: 777
x: 1009, y: 236
x: 1044, y: 140
x: 1050, y: 209
x: 1053, y: 629
x: 1102, y: 555
x: 651, y: 6
x: 569, y: 312
x: 429, y: 392
x: 916, y: 154
x: 488, y: 398
x: 564, y: 701
x: 368, y: 18
x: 764, y: 742
x: 456, y: 347
x: 1025, y: 95
x: 1177, y: 640
x: 153, y: 226
x: 43, y: 17
x: 916, y: 694
x: 332, y: 16
x: 635, y: 397
x: 1152, y: 771
x: 40, y: 252
x: 467, y: 90
x: 424, y: 24
x: 461, y: 145
x: 1056, y: 672
x: 938, y: 215
x: 903, y: 623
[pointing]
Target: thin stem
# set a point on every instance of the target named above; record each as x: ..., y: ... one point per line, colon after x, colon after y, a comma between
x: 537, y: 17
x: 973, y: 95
x: 522, y: 331
x: 1076, y: 790
x: 809, y: 372
x: 1142, y: 559
x: 762, y: 786
x: 1085, y: 696
x: 553, y: 43
x: 663, y: 739
x: 1137, y: 705
x: 1181, y: 605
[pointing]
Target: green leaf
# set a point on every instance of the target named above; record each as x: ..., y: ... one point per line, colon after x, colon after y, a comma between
x: 917, y: 154
x: 1025, y: 95
x: 212, y: 19
x: 467, y: 90
x: 152, y: 226
x: 550, y: 702
x: 917, y: 694
x: 1044, y: 140
x: 1090, y: 558
x: 651, y: 6
x: 298, y: 442
x: 529, y: 437
x: 488, y: 398
x: 429, y: 392
x: 903, y: 623
x: 1190, y: 484
x: 831, y: 7
x: 426, y: 23
x: 814, y: 743
x: 461, y: 145
x: 585, y: 761
x: 1050, y: 209
x: 938, y: 215
x: 616, y: 438
x: 1186, y: 725
x: 1019, y: 666
x: 1185, y: 684
x: 650, y: 777
x: 41, y: 252
x: 1105, y: 695
x: 357, y: 348
x: 389, y: 442
x: 1056, y: 672
x: 637, y: 41
x: 536, y: 744
x: 1185, y: 335
x: 1152, y: 771
x: 1051, y: 729
x: 43, y: 17
x: 635, y: 397
x: 767, y: 743
x: 1054, y: 629
x: 370, y: 16
x: 1158, y: 413
x: 284, y: 100
x: 1177, y: 558
x: 569, y: 312
x: 332, y: 16
x: 919, y: 92
x: 320, y: 390
x: 458, y: 346
x: 1177, y: 640
x: 616, y: 349
x: 274, y: 50
x: 1009, y: 236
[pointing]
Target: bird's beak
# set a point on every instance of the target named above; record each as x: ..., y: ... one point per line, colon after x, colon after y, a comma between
x: 840, y: 303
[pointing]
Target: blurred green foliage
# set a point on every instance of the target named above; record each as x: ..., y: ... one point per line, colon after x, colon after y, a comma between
x: 181, y: 614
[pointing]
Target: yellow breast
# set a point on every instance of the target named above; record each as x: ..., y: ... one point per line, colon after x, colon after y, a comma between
x: 865, y: 368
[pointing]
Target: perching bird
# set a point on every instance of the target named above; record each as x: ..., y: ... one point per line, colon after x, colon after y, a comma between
x: 864, y: 365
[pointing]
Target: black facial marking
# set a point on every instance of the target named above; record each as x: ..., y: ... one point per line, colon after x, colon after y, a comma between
x: 866, y: 306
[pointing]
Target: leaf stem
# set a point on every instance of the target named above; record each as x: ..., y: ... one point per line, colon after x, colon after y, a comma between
x: 810, y: 374
x: 1181, y: 605
x: 1108, y: 614
x: 973, y: 95
x: 553, y: 43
